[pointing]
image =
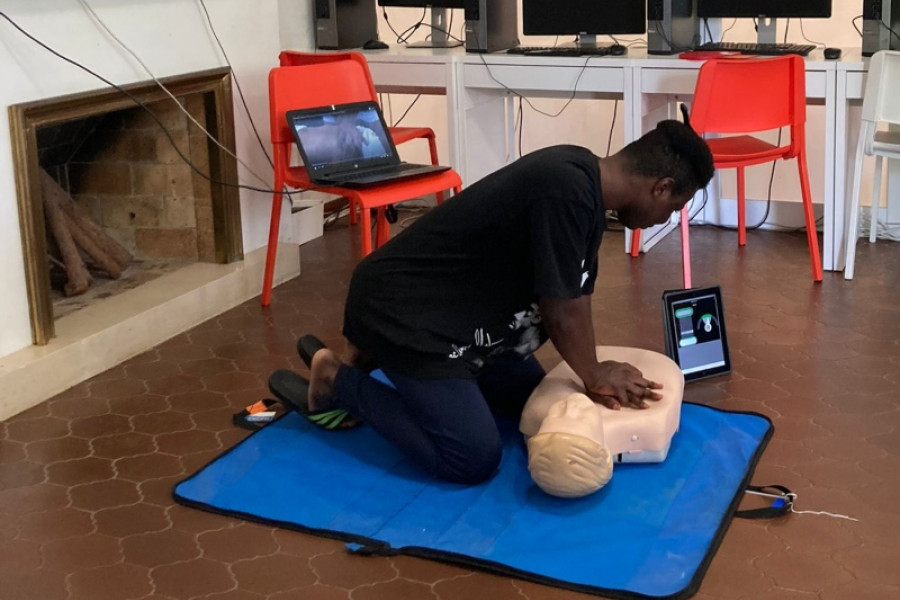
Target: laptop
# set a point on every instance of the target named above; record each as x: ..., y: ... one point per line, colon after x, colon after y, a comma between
x: 349, y: 144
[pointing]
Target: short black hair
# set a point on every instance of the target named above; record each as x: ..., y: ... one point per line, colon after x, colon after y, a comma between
x: 673, y: 150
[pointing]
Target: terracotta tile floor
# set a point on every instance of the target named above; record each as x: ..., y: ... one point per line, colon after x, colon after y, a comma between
x: 86, y: 477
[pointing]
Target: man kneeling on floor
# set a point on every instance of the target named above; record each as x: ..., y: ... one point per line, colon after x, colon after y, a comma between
x: 453, y: 308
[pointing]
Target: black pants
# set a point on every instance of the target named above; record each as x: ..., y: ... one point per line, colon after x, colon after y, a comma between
x: 446, y: 425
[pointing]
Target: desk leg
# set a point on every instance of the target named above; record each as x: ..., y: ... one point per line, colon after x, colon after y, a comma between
x: 834, y: 170
x: 834, y: 240
x: 483, y: 133
x: 654, y: 108
x: 891, y: 214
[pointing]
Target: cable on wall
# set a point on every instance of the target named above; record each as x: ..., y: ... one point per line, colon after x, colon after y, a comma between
x: 178, y: 104
x: 140, y: 104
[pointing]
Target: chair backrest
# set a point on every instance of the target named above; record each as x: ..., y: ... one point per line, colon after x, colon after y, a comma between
x: 293, y: 58
x: 746, y: 95
x: 883, y: 88
x: 309, y: 86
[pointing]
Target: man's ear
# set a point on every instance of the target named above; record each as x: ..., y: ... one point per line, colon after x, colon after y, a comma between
x: 663, y: 185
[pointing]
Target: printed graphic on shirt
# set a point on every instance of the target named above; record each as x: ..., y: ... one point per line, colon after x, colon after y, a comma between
x: 523, y: 339
x: 584, y: 275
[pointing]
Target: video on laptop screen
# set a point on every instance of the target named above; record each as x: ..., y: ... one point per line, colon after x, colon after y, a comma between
x: 344, y: 135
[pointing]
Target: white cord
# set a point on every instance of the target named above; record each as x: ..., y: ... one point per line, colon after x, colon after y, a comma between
x: 792, y: 498
x: 822, y: 512
x: 96, y: 18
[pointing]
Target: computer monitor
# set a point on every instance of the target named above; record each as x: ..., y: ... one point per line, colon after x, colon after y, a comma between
x: 440, y: 24
x: 584, y: 18
x: 766, y: 11
x: 776, y: 9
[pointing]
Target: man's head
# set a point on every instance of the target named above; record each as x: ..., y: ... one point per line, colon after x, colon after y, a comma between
x: 670, y: 164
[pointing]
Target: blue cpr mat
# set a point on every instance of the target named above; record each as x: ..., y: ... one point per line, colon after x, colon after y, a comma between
x: 651, y: 532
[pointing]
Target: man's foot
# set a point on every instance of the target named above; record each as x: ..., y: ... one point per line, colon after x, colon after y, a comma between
x: 322, y: 372
x: 307, y: 346
x: 292, y: 391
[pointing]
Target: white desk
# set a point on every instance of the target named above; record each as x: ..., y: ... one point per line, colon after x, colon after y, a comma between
x: 480, y: 89
x: 422, y: 71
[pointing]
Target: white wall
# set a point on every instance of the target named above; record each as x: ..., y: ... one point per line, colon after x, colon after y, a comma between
x: 589, y: 122
x: 170, y: 37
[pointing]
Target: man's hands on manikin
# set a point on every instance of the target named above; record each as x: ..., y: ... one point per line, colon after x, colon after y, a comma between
x: 616, y: 384
x: 610, y: 383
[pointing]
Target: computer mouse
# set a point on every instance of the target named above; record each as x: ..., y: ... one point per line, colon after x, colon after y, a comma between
x: 832, y: 53
x: 617, y: 50
x: 375, y: 45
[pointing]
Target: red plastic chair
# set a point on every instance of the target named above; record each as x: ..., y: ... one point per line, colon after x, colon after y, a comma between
x: 293, y: 58
x: 740, y: 96
x: 321, y: 84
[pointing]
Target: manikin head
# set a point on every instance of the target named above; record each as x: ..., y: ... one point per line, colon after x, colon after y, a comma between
x: 567, y: 456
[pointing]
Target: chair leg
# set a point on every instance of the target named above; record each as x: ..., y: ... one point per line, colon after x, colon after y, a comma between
x: 853, y: 210
x: 635, y: 242
x: 382, y: 227
x: 741, y: 208
x: 432, y: 149
x: 272, y: 249
x: 686, y: 247
x: 812, y: 237
x: 876, y: 198
x: 365, y: 231
x: 353, y: 209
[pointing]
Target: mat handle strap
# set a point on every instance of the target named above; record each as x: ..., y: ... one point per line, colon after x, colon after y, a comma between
x: 371, y: 548
x: 783, y: 502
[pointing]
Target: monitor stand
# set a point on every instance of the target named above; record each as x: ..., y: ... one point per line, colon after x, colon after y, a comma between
x: 766, y: 31
x: 586, y: 40
x: 440, y: 26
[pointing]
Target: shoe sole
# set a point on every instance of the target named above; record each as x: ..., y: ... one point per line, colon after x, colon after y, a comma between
x: 307, y: 346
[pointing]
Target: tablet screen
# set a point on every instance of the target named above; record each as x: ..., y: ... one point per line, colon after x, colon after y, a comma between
x: 695, y: 332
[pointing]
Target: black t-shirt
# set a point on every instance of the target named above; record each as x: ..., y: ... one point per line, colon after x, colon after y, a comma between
x: 459, y: 288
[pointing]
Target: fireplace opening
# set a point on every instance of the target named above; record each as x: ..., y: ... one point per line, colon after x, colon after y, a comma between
x: 107, y: 203
x: 129, y: 187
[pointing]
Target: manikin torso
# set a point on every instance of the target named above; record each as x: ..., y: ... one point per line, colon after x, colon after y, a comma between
x: 627, y: 432
x: 573, y: 442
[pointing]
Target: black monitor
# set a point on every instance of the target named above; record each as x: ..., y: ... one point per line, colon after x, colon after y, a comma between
x: 439, y: 22
x: 775, y: 9
x: 766, y: 11
x: 583, y: 18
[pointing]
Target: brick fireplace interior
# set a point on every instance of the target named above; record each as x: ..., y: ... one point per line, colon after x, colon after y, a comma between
x: 125, y: 175
x: 130, y: 178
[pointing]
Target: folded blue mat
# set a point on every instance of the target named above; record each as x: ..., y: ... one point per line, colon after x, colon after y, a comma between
x: 651, y: 532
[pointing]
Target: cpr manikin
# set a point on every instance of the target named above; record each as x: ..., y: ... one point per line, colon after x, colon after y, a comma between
x: 573, y: 442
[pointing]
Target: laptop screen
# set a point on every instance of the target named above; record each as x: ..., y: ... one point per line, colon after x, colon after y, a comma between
x: 342, y: 138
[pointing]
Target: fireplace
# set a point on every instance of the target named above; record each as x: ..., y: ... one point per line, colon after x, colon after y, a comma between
x: 112, y: 158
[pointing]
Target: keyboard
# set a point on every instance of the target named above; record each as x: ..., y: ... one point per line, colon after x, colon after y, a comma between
x: 560, y: 50
x: 762, y: 49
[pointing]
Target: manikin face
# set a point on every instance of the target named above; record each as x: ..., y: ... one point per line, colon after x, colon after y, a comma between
x: 567, y: 457
x: 575, y: 415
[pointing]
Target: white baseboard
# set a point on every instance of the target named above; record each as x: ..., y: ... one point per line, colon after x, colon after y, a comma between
x: 108, y: 332
x: 307, y: 223
x: 782, y: 214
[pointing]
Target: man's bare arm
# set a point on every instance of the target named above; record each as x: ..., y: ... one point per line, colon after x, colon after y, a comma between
x: 570, y: 325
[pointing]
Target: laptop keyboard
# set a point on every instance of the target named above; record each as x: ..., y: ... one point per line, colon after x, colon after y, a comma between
x: 392, y: 169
